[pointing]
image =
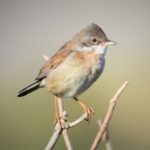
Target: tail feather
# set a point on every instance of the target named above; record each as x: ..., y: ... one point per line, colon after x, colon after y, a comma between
x: 30, y: 88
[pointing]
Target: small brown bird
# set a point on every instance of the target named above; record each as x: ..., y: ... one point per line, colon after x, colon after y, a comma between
x: 75, y: 67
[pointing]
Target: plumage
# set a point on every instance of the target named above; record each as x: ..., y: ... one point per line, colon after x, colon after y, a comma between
x: 54, y: 62
x: 30, y: 88
x: 75, y: 75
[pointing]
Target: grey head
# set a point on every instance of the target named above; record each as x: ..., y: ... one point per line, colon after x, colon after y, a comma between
x: 90, y: 36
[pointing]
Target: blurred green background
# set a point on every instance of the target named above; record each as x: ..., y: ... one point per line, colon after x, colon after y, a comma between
x: 29, y: 29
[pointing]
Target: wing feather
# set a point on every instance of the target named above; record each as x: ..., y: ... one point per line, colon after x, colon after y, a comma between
x: 55, y: 61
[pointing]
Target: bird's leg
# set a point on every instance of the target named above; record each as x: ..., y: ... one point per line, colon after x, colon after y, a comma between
x: 59, y: 114
x: 86, y: 109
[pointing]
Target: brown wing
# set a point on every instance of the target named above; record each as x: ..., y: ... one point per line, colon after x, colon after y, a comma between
x: 57, y: 59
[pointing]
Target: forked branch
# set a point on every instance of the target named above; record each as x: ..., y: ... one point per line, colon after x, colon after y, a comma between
x: 108, y: 116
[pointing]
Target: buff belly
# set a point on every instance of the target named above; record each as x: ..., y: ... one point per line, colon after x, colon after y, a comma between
x: 71, y: 79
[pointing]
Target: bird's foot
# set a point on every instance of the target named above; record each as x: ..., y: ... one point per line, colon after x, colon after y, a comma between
x: 61, y: 121
x: 89, y: 111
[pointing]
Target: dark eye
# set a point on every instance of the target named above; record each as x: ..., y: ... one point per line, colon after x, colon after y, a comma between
x: 94, y: 40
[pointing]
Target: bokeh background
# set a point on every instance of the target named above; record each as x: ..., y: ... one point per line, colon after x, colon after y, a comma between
x: 31, y: 28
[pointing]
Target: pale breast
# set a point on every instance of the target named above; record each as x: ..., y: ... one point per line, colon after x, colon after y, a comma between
x: 75, y: 74
x: 96, y: 66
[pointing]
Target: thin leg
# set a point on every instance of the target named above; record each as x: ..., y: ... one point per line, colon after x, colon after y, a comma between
x: 57, y: 119
x: 86, y: 109
x: 56, y: 106
x: 59, y: 112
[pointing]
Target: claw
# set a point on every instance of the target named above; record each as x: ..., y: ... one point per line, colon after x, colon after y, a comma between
x: 89, y: 111
x: 60, y: 120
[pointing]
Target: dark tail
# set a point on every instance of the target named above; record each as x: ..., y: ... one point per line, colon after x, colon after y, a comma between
x: 30, y: 88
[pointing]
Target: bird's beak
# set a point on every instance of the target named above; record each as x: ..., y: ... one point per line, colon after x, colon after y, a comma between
x: 110, y: 43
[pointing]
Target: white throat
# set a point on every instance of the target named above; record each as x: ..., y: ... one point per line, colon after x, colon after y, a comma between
x: 99, y: 49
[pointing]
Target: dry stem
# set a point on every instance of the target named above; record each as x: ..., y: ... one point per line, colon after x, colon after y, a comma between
x: 106, y: 137
x: 108, y: 116
x: 65, y: 125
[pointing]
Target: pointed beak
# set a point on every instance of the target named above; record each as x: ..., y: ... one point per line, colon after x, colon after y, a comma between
x: 110, y: 43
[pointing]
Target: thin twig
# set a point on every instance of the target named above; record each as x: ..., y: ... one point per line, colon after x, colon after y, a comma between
x: 54, y: 138
x: 106, y: 138
x: 108, y: 145
x: 66, y: 139
x: 78, y: 120
x: 108, y: 116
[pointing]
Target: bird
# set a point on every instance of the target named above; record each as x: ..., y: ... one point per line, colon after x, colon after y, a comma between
x: 74, y: 67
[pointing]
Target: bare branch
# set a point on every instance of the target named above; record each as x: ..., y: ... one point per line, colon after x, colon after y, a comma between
x: 106, y: 138
x: 65, y: 125
x: 54, y: 138
x: 66, y: 139
x: 108, y: 116
x: 79, y: 120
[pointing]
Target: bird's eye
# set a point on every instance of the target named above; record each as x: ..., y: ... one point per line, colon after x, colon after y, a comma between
x: 94, y: 40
